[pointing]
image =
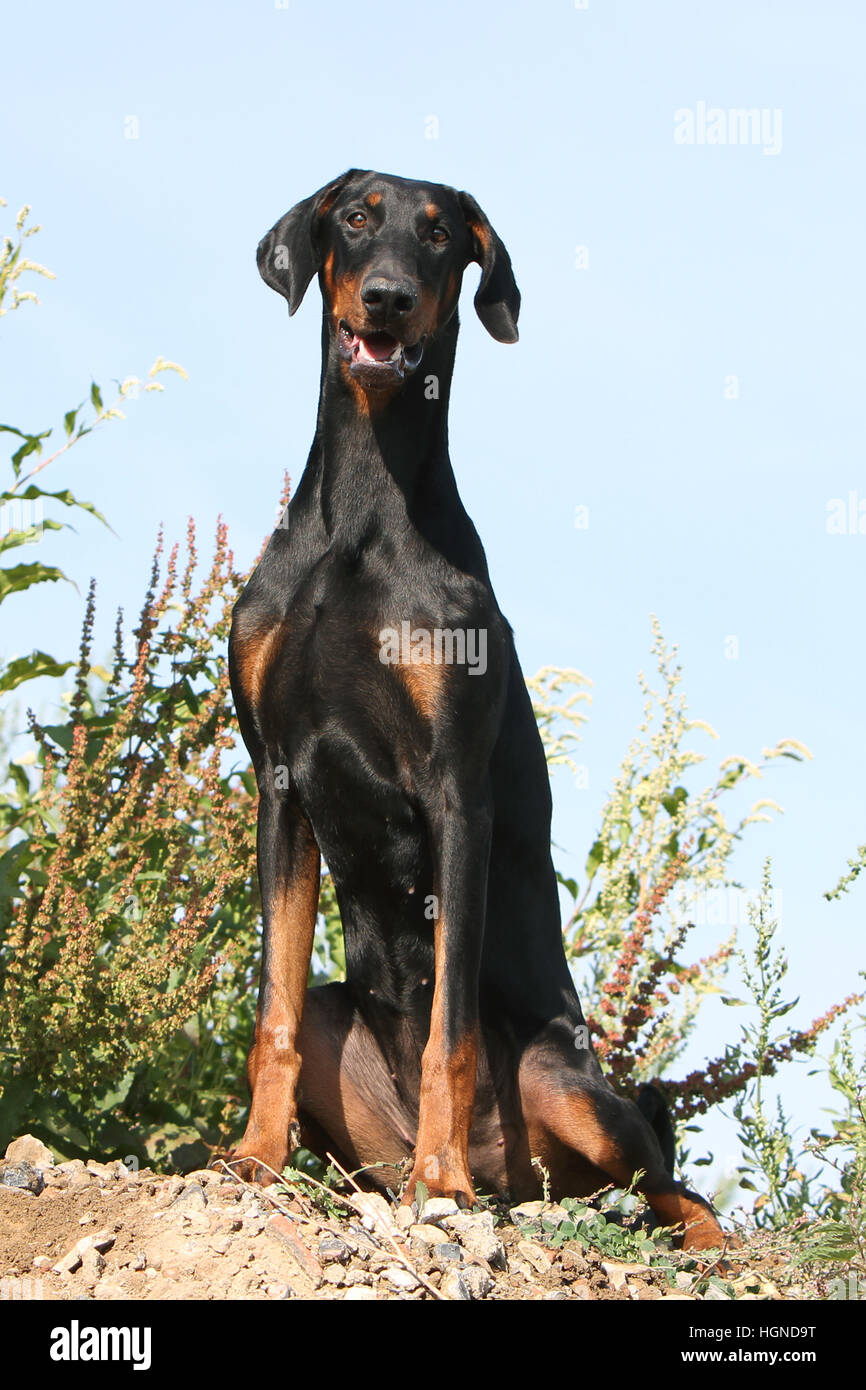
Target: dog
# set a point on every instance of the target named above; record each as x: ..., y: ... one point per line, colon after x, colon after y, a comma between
x: 379, y: 694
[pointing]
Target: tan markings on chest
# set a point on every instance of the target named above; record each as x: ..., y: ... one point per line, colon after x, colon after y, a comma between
x: 256, y: 649
x: 418, y: 663
x: 425, y: 682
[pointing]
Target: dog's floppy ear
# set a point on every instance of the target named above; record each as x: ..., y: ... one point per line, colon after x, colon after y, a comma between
x: 497, y: 300
x: 288, y: 256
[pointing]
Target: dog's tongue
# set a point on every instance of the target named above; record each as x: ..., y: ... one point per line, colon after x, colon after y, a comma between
x: 378, y: 347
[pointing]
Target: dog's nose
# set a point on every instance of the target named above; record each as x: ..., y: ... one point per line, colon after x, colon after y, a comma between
x: 386, y: 300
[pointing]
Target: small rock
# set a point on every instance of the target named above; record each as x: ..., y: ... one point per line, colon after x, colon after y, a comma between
x: 282, y: 1229
x: 554, y: 1296
x: 92, y: 1264
x: 207, y: 1177
x: 359, y: 1276
x: 527, y: 1212
x: 400, y: 1278
x: 404, y: 1218
x: 617, y: 1272
x: 446, y: 1253
x: 29, y: 1149
x: 138, y: 1261
x: 580, y: 1289
x: 334, y: 1274
x: 99, y: 1241
x: 193, y: 1197
x: 454, y: 1287
x: 359, y: 1293
x: 68, y: 1262
x: 332, y: 1247
x: 221, y: 1244
x: 425, y: 1235
x: 477, y: 1280
x: 476, y: 1233
x: 536, y: 1256
x: 102, y: 1240
x: 375, y: 1213
x: 81, y: 1179
x: 684, y: 1280
x: 437, y: 1208
x: 54, y: 1179
x: 278, y: 1291
x: 22, y: 1176
x: 41, y: 1261
x: 107, y: 1171
x: 72, y: 1165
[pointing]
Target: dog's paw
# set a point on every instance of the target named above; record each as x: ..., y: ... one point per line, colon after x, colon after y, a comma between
x: 257, y: 1160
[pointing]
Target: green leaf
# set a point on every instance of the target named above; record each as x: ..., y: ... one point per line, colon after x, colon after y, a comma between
x: 66, y: 497
x: 31, y: 536
x: 594, y: 858
x: 674, y: 801
x: 95, y: 396
x: 18, y: 577
x: 32, y: 444
x: 28, y: 668
x: 69, y: 421
x: 61, y: 734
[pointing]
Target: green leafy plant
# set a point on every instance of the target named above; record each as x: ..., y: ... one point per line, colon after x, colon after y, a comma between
x: 657, y: 833
x: 125, y: 891
x: 22, y: 500
x: 838, y: 1237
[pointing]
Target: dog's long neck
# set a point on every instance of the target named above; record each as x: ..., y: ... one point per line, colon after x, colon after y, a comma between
x: 381, y: 463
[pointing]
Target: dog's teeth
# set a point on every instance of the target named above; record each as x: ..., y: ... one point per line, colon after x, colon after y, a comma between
x: 396, y: 353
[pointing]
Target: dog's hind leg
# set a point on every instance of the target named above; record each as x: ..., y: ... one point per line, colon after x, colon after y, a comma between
x: 348, y: 1102
x: 586, y: 1136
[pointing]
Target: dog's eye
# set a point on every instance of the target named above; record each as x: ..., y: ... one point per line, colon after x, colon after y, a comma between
x: 439, y: 235
x: 357, y: 219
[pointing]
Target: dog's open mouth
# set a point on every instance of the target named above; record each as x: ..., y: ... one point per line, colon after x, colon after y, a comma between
x: 376, y: 355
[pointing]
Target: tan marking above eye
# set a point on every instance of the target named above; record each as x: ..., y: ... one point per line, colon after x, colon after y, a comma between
x: 432, y: 212
x: 481, y: 235
x: 373, y: 199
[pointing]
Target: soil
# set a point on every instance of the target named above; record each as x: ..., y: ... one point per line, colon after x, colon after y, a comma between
x: 98, y: 1231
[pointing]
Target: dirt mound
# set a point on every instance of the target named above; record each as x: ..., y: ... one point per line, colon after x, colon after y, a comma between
x: 95, y: 1230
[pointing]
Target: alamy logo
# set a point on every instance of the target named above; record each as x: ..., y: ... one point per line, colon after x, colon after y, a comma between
x: 76, y: 1343
x: 422, y: 646
x: 738, y: 125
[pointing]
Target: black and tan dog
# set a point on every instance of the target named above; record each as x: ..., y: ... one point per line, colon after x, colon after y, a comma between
x: 381, y: 700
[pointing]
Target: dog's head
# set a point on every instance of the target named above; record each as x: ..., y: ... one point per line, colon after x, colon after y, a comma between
x: 390, y: 254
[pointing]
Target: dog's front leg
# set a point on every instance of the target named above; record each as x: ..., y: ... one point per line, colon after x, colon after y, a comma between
x: 460, y: 834
x: 289, y: 863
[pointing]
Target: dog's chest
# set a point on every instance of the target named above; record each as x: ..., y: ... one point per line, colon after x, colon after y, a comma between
x: 362, y: 668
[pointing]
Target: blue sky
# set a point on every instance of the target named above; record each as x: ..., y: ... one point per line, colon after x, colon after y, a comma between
x: 707, y: 497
